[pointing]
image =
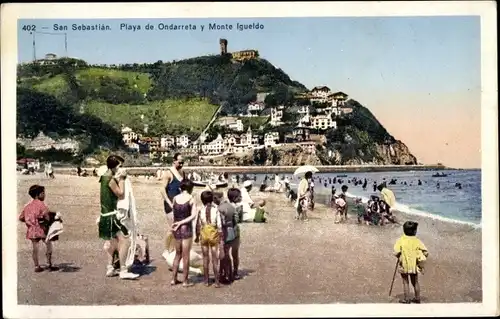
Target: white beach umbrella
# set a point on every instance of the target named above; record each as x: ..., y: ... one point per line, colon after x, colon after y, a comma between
x: 304, y: 169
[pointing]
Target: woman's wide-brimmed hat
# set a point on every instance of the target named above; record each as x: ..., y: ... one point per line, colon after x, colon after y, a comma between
x: 247, y: 183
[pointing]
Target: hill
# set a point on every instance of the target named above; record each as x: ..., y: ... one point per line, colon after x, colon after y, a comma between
x: 221, y: 80
x: 181, y: 97
x: 360, y: 138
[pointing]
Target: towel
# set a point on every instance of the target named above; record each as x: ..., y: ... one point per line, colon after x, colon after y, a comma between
x: 127, y: 214
x: 55, y: 229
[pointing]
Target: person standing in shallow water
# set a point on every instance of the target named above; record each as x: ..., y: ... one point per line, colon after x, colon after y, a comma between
x: 170, y: 187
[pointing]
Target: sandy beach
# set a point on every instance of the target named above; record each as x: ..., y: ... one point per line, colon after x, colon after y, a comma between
x: 282, y: 262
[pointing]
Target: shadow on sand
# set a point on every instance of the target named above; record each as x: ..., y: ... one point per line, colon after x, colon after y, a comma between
x: 68, y: 267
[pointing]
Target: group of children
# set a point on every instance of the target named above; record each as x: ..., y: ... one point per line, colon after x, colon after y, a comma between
x: 217, y: 232
x: 376, y: 212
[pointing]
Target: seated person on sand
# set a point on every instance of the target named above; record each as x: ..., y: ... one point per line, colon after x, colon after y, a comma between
x: 373, y: 214
x: 195, y: 259
x: 247, y: 203
x: 386, y: 213
x: 260, y: 213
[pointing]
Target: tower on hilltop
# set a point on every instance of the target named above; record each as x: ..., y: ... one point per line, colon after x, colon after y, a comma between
x: 223, y: 46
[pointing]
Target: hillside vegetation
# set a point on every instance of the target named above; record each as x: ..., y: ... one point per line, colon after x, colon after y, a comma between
x: 172, y: 116
x: 90, y: 103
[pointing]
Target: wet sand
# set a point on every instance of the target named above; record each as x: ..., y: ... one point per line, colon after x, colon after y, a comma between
x: 282, y: 262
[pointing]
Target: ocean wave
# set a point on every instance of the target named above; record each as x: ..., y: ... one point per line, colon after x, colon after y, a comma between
x: 403, y: 208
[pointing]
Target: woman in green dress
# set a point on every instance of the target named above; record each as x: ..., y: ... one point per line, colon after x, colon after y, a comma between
x: 110, y: 228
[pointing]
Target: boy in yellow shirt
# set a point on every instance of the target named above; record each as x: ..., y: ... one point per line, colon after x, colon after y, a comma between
x: 411, y: 253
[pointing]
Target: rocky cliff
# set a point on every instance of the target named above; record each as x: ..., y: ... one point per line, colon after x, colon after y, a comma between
x: 395, y: 153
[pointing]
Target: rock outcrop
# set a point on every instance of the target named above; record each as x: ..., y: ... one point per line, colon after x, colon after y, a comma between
x: 43, y: 142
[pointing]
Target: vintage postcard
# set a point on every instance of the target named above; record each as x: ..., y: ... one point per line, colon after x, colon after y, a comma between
x: 249, y: 159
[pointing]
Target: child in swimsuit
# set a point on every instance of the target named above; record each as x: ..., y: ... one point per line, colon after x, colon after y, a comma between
x: 260, y: 213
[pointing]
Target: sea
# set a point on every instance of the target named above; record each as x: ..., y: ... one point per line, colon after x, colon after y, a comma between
x: 445, y: 202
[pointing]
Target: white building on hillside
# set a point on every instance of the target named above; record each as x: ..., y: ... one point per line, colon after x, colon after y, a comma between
x: 215, y: 147
x: 231, y: 122
x: 254, y: 108
x: 167, y: 141
x: 182, y: 141
x: 277, y: 115
x: 129, y: 135
x: 338, y: 98
x: 320, y: 94
x: 323, y: 122
x: 236, y: 126
x: 229, y: 142
x: 271, y: 139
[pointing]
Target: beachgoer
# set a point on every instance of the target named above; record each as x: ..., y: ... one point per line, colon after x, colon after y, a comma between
x: 360, y: 210
x: 263, y: 187
x: 386, y: 213
x: 303, y: 197
x: 79, y: 170
x: 344, y: 189
x: 195, y: 259
x: 49, y: 172
x: 260, y: 213
x: 374, y: 186
x: 411, y: 254
x: 170, y: 187
x: 209, y: 230
x: 247, y: 204
x: 35, y: 215
x: 232, y: 215
x: 311, y: 194
x: 340, y: 206
x: 227, y: 212
x: 184, y: 212
x: 387, y: 196
x: 277, y: 183
x: 110, y: 228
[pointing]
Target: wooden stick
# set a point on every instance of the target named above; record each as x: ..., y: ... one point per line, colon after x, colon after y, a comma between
x: 394, y: 276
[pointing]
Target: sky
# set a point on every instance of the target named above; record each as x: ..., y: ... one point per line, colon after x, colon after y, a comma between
x: 420, y: 76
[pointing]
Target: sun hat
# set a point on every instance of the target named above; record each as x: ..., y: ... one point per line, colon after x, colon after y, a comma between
x: 247, y: 183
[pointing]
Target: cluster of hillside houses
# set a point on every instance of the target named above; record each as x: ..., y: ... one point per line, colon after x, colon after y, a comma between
x: 242, y: 140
